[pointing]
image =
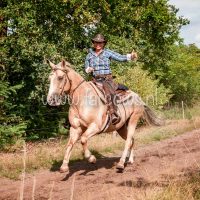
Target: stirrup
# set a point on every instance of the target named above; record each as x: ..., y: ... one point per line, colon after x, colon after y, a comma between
x: 115, y: 118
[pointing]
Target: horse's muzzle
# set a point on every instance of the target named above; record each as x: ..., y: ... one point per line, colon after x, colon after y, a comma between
x: 54, y: 100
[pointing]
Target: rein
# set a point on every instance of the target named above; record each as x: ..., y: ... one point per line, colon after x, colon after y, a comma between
x: 72, y: 92
x: 76, y: 88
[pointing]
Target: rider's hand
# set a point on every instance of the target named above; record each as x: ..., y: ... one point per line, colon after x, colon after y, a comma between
x: 89, y: 70
x: 134, y: 55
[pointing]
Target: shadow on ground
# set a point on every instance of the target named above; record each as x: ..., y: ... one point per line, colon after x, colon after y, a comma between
x: 85, y: 167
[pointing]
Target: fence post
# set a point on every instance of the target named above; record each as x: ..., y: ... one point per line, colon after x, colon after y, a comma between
x: 183, y: 111
x: 21, y: 194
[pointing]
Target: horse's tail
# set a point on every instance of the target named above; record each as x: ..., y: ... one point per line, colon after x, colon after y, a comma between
x: 150, y: 117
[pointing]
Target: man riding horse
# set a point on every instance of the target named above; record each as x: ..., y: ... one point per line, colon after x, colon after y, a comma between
x: 98, y: 62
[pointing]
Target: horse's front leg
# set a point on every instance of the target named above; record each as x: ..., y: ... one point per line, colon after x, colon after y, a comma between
x: 74, y: 136
x: 91, y: 131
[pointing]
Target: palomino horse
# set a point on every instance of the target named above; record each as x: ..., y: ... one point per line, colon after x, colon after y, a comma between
x: 88, y: 119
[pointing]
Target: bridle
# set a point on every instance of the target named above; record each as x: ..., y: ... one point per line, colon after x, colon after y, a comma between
x: 71, y: 93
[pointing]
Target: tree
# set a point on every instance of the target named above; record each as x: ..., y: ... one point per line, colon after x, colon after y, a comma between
x: 183, y: 77
x: 152, y: 26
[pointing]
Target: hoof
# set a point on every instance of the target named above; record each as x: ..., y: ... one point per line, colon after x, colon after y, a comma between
x: 120, y: 166
x: 64, y: 169
x: 92, y: 159
x: 130, y: 162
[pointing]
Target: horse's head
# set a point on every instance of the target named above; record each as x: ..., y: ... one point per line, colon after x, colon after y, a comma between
x: 59, y: 82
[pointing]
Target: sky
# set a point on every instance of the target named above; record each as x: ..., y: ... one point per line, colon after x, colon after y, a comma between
x: 189, y: 9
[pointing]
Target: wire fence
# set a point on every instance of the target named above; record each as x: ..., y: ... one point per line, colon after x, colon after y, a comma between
x: 42, y: 114
x: 39, y: 114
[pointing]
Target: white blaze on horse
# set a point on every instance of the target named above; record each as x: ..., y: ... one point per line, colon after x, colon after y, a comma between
x: 88, y: 117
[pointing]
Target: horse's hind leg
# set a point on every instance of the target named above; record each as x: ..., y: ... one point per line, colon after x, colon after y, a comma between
x: 130, y: 133
x: 123, y: 131
x: 74, y: 136
x: 131, y: 156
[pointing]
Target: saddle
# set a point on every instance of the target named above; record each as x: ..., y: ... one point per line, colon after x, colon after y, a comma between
x: 122, y: 93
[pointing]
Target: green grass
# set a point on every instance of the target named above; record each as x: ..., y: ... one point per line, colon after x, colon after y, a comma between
x: 157, y: 135
x: 176, y: 112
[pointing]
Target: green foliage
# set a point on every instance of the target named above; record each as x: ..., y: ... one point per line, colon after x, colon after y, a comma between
x: 152, y: 26
x: 10, y: 133
x: 24, y: 84
x: 12, y: 127
x: 183, y: 77
x: 149, y: 89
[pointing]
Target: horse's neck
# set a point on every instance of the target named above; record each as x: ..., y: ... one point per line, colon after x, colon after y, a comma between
x: 75, y: 79
x: 79, y: 88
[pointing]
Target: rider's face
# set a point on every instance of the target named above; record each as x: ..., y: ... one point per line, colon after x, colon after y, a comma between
x: 98, y: 45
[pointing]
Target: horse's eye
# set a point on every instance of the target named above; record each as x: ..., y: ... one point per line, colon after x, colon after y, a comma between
x: 60, y: 78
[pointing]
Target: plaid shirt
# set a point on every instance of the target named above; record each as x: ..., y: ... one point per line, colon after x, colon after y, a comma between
x: 101, y: 63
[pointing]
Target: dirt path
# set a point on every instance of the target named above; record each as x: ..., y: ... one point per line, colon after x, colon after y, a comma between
x: 154, y: 166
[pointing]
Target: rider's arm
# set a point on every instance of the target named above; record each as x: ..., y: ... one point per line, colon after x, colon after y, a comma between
x: 88, y: 69
x: 118, y: 57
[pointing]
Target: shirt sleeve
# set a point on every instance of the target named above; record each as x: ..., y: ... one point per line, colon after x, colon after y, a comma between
x: 118, y: 57
x: 87, y: 64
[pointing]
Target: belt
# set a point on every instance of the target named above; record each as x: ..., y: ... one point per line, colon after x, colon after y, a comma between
x: 103, y: 76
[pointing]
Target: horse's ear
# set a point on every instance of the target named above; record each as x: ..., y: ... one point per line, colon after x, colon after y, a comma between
x: 63, y: 63
x: 51, y: 65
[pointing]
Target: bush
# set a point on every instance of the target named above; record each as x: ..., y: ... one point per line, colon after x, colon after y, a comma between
x: 139, y: 81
